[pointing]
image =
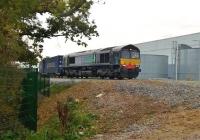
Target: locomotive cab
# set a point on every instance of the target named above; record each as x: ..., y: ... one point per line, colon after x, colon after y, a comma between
x: 130, y: 57
x: 129, y: 61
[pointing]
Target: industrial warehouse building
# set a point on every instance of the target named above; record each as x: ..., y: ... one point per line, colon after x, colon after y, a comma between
x: 182, y: 53
x: 153, y: 66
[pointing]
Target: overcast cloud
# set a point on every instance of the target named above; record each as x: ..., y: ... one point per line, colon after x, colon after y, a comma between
x: 133, y: 21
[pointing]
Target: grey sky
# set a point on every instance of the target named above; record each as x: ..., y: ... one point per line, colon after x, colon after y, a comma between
x: 133, y: 21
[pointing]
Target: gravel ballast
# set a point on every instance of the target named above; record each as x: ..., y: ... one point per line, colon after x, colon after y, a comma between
x: 171, y: 92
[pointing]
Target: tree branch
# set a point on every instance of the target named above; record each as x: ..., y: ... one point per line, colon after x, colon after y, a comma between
x: 42, y: 36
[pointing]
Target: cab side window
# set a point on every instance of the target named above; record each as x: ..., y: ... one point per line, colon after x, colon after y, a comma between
x: 104, y: 58
x: 71, y: 60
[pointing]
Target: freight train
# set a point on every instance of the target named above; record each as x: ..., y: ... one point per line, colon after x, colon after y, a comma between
x: 113, y: 62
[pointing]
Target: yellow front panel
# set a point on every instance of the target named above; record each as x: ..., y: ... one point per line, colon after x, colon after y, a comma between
x: 132, y: 61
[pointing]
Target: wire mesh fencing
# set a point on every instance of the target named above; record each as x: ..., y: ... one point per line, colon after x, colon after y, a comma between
x: 19, y: 89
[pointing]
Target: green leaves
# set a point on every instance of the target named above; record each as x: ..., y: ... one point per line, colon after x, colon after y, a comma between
x: 19, y: 19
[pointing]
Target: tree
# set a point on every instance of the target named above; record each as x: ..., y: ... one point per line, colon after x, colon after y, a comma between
x: 19, y: 22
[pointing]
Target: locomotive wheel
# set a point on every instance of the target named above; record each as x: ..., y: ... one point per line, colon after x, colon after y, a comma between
x: 111, y: 77
x: 130, y: 77
x: 102, y: 77
x: 120, y: 78
x: 136, y: 75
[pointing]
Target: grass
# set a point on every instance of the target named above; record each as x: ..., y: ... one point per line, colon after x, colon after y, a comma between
x: 80, y: 125
x: 58, y: 88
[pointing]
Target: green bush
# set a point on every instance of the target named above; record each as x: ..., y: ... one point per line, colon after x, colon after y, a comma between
x: 80, y: 122
x: 10, y: 97
x: 79, y: 126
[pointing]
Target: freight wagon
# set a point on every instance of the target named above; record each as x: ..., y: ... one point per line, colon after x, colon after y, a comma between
x: 52, y: 66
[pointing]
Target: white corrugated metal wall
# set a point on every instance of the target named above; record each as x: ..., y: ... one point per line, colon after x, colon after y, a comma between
x: 167, y: 47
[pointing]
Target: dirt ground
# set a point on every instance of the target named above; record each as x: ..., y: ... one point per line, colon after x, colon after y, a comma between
x: 124, y: 115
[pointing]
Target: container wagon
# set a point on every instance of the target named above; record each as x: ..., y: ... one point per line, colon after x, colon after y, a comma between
x: 52, y: 66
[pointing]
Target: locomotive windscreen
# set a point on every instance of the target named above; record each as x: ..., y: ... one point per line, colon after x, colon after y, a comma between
x: 130, y: 54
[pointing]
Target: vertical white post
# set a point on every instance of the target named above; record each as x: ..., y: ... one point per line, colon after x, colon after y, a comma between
x: 173, y: 60
x: 177, y: 57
